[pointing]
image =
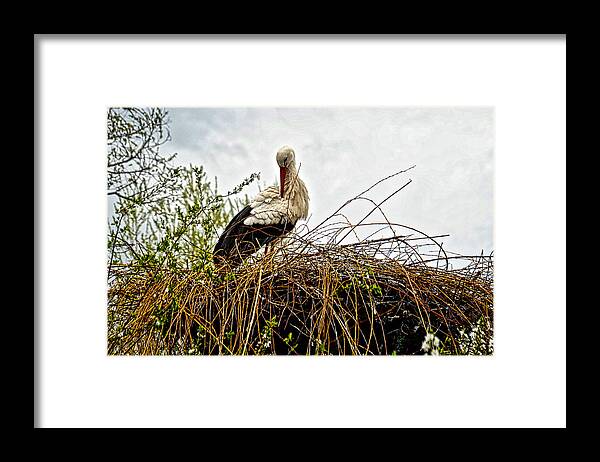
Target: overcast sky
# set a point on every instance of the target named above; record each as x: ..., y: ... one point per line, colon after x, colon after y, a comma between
x: 345, y: 150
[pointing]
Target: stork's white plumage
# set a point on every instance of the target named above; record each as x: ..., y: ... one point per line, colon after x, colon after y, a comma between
x: 272, y: 213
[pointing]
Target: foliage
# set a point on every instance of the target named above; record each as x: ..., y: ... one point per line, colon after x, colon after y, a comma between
x: 476, y: 339
x: 137, y: 172
x: 163, y: 214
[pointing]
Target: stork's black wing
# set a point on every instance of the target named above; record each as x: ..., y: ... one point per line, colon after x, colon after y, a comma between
x: 226, y: 241
x: 239, y: 240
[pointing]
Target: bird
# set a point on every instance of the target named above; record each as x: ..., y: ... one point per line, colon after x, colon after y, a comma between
x: 272, y: 214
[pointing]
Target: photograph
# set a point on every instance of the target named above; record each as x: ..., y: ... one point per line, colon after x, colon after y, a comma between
x: 357, y: 230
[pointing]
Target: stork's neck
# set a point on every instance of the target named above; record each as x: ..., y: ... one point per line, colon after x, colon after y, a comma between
x: 291, y: 180
x: 295, y: 192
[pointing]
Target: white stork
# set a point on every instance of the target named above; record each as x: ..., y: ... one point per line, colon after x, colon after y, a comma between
x: 272, y: 214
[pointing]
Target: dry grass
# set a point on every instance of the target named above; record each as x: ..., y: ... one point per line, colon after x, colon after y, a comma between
x: 311, y: 295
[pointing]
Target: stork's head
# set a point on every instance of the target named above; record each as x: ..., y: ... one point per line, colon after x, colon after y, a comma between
x: 286, y: 158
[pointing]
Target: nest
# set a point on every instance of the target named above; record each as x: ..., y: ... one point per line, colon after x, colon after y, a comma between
x: 312, y: 294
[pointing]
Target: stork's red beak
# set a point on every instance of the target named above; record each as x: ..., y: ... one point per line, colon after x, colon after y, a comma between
x: 282, y: 172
